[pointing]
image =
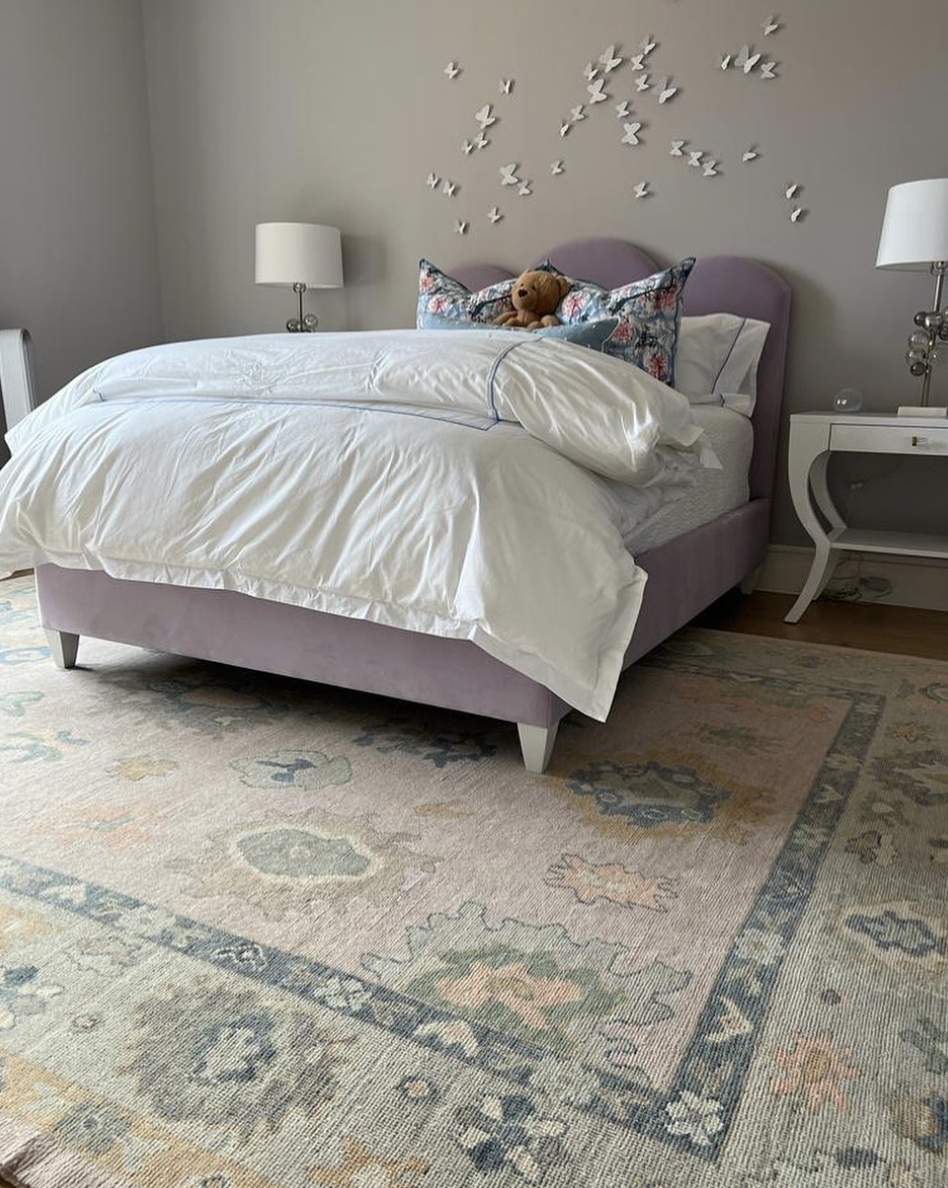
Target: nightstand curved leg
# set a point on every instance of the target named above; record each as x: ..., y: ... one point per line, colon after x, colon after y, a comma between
x: 823, y: 564
x: 821, y: 492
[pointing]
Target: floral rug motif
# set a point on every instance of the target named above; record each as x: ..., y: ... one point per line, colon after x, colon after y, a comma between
x: 259, y: 934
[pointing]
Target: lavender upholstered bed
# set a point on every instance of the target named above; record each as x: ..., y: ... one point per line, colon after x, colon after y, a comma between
x: 684, y: 575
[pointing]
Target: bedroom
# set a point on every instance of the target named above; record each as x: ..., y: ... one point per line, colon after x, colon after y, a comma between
x: 396, y: 957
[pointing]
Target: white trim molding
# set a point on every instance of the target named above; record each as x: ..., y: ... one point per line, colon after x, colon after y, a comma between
x: 915, y: 581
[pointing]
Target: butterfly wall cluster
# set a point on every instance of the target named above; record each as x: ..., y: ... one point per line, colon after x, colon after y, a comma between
x: 628, y: 88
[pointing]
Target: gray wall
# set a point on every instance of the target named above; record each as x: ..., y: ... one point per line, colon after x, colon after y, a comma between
x: 78, y: 252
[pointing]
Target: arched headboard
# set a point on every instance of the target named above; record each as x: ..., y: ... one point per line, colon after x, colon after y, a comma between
x: 718, y: 284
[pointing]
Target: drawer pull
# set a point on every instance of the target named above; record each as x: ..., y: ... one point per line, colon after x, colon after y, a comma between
x: 915, y: 440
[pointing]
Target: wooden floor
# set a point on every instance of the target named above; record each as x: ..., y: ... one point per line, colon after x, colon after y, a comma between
x: 870, y: 626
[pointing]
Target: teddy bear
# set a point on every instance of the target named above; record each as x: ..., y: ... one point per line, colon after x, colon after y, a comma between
x: 535, y: 296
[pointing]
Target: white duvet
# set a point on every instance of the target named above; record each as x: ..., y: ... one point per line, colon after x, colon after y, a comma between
x: 446, y: 483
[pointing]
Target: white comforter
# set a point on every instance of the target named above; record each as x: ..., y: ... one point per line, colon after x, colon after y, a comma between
x: 440, y: 482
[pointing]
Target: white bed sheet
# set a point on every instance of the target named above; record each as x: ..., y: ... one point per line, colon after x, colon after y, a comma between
x: 714, y: 492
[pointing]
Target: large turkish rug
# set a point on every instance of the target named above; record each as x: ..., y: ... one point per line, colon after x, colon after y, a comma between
x: 258, y: 934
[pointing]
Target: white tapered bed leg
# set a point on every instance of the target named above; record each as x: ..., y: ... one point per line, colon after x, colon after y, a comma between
x: 749, y: 584
x: 536, y: 743
x: 63, y: 647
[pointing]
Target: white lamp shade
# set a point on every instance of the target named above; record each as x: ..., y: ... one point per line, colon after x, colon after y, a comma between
x: 299, y: 253
x: 915, y: 228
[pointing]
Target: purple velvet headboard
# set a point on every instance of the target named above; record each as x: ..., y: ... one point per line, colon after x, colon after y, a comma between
x: 718, y: 284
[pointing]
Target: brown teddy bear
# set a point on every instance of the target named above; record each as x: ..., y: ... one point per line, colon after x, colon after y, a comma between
x: 535, y: 296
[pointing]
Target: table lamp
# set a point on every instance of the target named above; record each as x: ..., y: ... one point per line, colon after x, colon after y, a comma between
x: 915, y: 238
x: 300, y: 256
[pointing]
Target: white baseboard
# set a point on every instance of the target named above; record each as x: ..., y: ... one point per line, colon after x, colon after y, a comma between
x: 916, y: 581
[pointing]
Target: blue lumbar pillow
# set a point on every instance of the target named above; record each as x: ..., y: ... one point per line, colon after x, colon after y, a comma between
x: 593, y: 335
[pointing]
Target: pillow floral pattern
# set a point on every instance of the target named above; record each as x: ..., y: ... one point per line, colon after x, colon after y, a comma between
x: 649, y: 313
x: 445, y: 296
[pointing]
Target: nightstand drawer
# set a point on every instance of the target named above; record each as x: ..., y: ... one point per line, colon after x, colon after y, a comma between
x: 890, y: 439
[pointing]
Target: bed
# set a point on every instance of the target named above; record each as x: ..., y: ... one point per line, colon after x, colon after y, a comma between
x: 685, y: 573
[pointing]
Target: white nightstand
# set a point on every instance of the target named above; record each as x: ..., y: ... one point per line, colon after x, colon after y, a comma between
x: 813, y: 437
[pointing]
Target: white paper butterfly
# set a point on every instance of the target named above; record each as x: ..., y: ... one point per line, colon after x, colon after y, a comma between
x: 768, y: 70
x: 796, y: 214
x: 506, y: 86
x: 576, y: 114
x: 467, y: 147
x: 638, y: 62
x: 484, y: 117
x: 508, y: 175
x: 791, y: 191
x: 642, y: 190
x: 642, y: 83
x: 622, y: 109
x: 596, y: 93
x: 646, y: 45
x: 666, y: 91
x: 525, y: 190
x: 608, y: 60
x: 449, y: 188
x: 481, y: 141
x: 710, y: 168
x: 770, y: 25
x: 746, y: 60
x: 564, y: 128
x: 726, y: 61
x: 694, y: 158
x: 676, y: 148
x: 452, y: 70
x: 432, y: 181
x: 556, y: 168
x: 590, y: 71
x: 631, y: 131
x: 462, y: 227
x: 494, y: 215
x: 750, y: 154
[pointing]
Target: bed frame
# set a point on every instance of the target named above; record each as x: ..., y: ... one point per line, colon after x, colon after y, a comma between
x: 685, y: 575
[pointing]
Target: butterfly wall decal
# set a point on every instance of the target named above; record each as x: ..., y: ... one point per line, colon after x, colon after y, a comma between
x: 622, y: 109
x: 494, y: 215
x: 646, y: 45
x: 631, y: 133
x: 506, y: 86
x: 467, y: 147
x: 525, y: 190
x: 771, y: 25
x: 485, y: 116
x: 710, y: 168
x: 432, y: 181
x: 596, y: 93
x: 576, y: 113
x: 556, y: 168
x: 637, y: 62
x: 750, y: 154
x: 747, y: 59
x: 508, y: 175
x: 461, y: 227
x: 565, y: 128
x: 726, y: 60
x: 768, y: 70
x: 608, y: 59
x: 666, y: 91
x: 590, y: 71
x: 642, y: 190
x: 449, y: 188
x: 796, y: 214
x: 694, y: 158
x: 677, y: 148
x: 793, y: 188
x: 452, y: 70
x: 642, y: 83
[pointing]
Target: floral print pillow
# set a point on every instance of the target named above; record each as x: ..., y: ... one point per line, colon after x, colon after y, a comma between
x: 440, y: 294
x: 446, y: 297
x: 649, y: 313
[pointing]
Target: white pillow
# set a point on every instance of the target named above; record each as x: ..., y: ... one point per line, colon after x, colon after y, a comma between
x: 717, y: 360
